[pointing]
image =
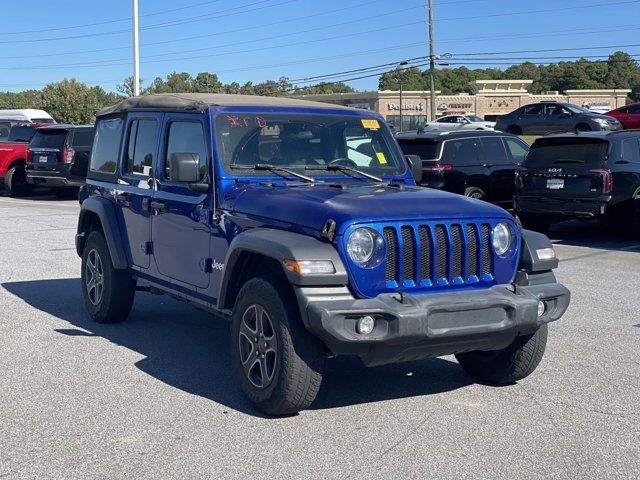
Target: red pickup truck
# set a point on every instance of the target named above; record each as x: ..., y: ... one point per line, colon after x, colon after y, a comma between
x: 13, y: 155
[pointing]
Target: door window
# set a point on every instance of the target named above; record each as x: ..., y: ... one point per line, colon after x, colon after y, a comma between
x: 554, y: 110
x: 535, y: 109
x: 460, y: 152
x: 107, y: 144
x: 186, y: 137
x: 630, y: 150
x: 493, y: 150
x: 633, y: 109
x: 141, y: 147
x: 517, y: 149
x: 82, y: 138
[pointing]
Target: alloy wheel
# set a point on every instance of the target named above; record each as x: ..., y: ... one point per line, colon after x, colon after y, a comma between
x: 94, y: 277
x: 258, y: 346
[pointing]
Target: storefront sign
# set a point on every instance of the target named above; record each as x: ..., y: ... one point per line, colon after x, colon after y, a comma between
x: 598, y: 107
x: 406, y: 106
x: 455, y: 106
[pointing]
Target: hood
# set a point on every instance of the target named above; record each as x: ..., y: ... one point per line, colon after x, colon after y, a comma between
x: 312, y: 206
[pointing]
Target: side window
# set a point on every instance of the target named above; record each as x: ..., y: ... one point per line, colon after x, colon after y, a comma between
x: 141, y: 147
x: 554, y: 110
x: 535, y: 109
x: 517, y: 149
x: 461, y: 152
x: 493, y: 150
x: 104, y: 156
x: 631, y: 150
x: 186, y: 137
x: 445, y: 120
x: 82, y: 138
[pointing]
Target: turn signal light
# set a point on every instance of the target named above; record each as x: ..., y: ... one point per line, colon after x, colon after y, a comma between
x: 607, y: 179
x: 309, y: 267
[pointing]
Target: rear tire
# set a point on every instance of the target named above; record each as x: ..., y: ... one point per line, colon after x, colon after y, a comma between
x: 507, y: 366
x: 475, y: 192
x: 108, y: 293
x: 514, y: 130
x: 15, y: 182
x: 278, y: 363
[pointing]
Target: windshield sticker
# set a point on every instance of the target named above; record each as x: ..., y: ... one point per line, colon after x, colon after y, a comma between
x: 381, y: 158
x: 370, y: 123
x: 238, y: 121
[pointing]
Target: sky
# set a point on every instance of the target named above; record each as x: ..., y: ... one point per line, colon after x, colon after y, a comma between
x: 257, y: 40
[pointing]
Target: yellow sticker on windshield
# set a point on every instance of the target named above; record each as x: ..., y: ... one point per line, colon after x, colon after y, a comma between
x: 381, y: 158
x: 370, y: 123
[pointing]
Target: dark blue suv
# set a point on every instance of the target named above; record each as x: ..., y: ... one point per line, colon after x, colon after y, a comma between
x: 301, y: 223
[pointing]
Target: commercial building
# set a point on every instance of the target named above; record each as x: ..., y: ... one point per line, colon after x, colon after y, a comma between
x: 491, y: 99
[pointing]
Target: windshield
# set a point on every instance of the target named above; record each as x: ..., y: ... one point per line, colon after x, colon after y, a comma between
x: 576, y: 108
x: 43, y: 120
x: 557, y: 151
x: 474, y: 118
x: 21, y: 133
x: 49, y: 138
x: 299, y: 141
x: 426, y: 149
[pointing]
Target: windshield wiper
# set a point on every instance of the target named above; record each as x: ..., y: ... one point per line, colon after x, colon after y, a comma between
x: 344, y: 168
x: 273, y: 168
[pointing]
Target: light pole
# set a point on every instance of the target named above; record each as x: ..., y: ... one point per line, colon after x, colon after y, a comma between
x: 432, y: 66
x: 399, y: 73
x: 136, y: 52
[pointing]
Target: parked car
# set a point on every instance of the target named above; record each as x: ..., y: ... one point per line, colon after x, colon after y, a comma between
x: 455, y: 123
x: 590, y: 175
x: 628, y: 116
x: 58, y: 156
x: 26, y: 115
x: 249, y: 207
x: 13, y: 155
x: 477, y: 164
x: 546, y: 117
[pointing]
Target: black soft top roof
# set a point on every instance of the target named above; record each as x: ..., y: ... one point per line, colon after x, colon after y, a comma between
x: 199, y: 102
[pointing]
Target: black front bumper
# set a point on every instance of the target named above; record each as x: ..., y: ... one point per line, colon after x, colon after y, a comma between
x: 411, y: 327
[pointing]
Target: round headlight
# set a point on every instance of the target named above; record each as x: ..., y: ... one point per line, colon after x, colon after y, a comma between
x: 501, y: 238
x: 360, y: 245
x: 365, y: 247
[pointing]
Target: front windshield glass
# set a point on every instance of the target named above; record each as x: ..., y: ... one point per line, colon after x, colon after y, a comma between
x: 475, y: 118
x: 299, y: 141
x: 576, y: 108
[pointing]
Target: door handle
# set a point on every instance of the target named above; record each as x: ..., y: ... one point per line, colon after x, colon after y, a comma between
x: 158, y: 205
x: 487, y: 165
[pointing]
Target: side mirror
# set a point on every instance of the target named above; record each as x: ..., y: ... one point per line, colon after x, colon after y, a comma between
x: 184, y: 167
x: 415, y: 164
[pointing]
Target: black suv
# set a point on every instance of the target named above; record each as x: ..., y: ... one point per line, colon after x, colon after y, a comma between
x: 587, y: 175
x: 476, y: 164
x: 58, y: 157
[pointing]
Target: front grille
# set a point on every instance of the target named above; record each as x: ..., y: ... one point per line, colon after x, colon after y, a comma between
x: 438, y: 254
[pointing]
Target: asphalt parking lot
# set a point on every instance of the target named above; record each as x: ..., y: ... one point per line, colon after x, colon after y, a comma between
x: 154, y: 397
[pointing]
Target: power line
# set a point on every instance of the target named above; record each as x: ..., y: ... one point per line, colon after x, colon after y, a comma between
x: 547, y: 50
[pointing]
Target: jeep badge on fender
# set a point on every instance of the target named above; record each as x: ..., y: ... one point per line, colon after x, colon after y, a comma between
x: 301, y: 223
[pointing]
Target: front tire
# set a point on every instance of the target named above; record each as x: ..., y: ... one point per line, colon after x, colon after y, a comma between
x: 507, y: 366
x: 475, y: 192
x: 108, y: 293
x: 278, y: 363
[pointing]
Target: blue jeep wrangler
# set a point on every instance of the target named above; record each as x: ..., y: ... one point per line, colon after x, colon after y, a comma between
x: 300, y: 222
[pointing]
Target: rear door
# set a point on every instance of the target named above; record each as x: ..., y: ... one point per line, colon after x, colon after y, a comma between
x: 460, y: 160
x: 135, y: 189
x: 531, y: 120
x: 47, y: 146
x: 565, y: 167
x: 181, y: 227
x: 497, y: 164
x: 632, y: 117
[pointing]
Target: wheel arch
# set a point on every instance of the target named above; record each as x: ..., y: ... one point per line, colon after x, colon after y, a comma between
x: 98, y: 213
x: 262, y: 251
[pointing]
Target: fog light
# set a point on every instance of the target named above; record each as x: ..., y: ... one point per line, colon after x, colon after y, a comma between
x: 541, y: 308
x: 364, y: 325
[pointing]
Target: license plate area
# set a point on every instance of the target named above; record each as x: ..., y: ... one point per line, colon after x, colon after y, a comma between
x: 555, y: 183
x: 42, y: 158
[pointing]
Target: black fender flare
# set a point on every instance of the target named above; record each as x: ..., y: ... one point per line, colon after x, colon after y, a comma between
x: 105, y: 212
x: 529, y: 260
x: 636, y: 194
x: 280, y: 245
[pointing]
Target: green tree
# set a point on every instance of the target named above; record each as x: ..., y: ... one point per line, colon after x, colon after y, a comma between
x: 70, y: 101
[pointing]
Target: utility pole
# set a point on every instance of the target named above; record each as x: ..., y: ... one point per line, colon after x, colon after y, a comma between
x: 432, y: 65
x: 399, y: 74
x: 136, y: 52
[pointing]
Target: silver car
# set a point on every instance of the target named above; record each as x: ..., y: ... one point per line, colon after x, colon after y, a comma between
x: 545, y: 117
x: 456, y: 123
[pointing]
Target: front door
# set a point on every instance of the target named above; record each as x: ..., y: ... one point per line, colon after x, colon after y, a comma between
x: 181, y: 228
x: 134, y: 191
